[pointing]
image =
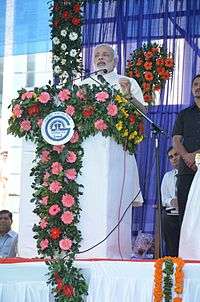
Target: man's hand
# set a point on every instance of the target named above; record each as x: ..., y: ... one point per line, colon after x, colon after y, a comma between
x: 174, y: 203
x: 125, y: 86
x: 189, y: 159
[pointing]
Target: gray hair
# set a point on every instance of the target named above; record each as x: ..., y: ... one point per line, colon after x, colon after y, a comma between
x: 108, y: 46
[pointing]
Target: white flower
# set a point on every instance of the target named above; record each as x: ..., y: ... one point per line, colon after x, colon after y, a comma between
x: 73, y: 36
x: 73, y: 52
x: 56, y: 58
x: 63, y: 33
x: 64, y: 75
x: 63, y: 61
x: 63, y: 46
x: 56, y: 41
x: 57, y: 69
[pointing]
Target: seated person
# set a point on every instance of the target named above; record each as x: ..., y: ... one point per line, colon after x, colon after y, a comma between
x: 8, y: 238
x: 169, y: 201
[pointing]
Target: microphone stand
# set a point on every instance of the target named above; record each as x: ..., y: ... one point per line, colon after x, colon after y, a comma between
x: 156, y: 131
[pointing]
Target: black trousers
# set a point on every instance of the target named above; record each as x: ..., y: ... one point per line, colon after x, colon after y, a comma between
x: 171, y: 232
x: 183, y: 187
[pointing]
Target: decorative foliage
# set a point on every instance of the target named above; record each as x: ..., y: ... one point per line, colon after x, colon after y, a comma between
x: 164, y: 278
x: 56, y: 191
x: 151, y: 66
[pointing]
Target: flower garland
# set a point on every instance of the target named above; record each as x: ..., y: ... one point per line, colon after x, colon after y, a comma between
x: 163, y: 285
x: 151, y: 66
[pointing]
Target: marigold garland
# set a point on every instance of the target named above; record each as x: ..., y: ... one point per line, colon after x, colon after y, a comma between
x: 163, y: 285
x: 151, y: 66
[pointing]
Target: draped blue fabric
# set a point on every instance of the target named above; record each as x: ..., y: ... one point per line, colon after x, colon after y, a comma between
x: 127, y: 25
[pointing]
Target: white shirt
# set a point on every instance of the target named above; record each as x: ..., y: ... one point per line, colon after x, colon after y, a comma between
x: 113, y: 79
x: 168, y: 188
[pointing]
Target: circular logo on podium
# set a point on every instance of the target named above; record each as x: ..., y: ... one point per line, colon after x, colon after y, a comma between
x: 57, y: 128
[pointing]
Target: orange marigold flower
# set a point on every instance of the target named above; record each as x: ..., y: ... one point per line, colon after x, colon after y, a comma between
x: 160, y: 62
x: 160, y: 70
x: 139, y: 62
x: 177, y: 299
x: 148, y: 65
x: 148, y: 75
x: 165, y: 75
x: 169, y: 62
x: 148, y: 55
x: 146, y: 86
x: 137, y: 74
x: 130, y: 74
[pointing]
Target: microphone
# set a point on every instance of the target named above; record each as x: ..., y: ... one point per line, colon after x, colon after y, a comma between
x: 101, y: 78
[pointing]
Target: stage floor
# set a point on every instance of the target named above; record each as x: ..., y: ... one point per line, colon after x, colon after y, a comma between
x: 24, y: 280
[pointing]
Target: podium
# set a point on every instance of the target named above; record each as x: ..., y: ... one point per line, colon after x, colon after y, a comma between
x: 110, y: 180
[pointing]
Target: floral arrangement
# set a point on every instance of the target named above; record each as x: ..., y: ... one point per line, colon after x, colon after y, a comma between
x: 56, y: 191
x: 165, y: 277
x: 151, y: 66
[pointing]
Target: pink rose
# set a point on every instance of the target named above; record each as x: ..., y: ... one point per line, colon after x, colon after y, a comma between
x: 74, y: 138
x: 44, y: 244
x: 71, y: 157
x: 44, y: 200
x: 101, y: 96
x: 67, y: 217
x: 64, y: 95
x: 71, y: 174
x: 17, y: 111
x: 58, y: 148
x: 43, y: 223
x: 68, y: 200
x: 70, y: 110
x: 100, y: 125
x: 25, y: 125
x: 54, y: 210
x: 55, y: 186
x: 112, y: 109
x: 81, y: 95
x: 56, y: 168
x: 39, y: 122
x: 44, y: 97
x: 27, y: 95
x: 44, y: 156
x: 65, y: 244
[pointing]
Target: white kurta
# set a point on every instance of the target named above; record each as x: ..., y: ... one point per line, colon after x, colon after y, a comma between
x: 111, y: 182
x: 189, y: 246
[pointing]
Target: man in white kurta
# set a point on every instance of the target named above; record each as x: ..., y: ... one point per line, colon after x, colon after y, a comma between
x: 109, y: 175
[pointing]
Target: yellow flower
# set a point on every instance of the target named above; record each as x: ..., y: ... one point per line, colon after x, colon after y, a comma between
x: 132, y: 135
x: 124, y: 112
x: 125, y: 133
x: 120, y: 99
x: 119, y: 125
x: 138, y: 139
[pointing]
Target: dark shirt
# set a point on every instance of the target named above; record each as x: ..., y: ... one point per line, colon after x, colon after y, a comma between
x: 187, y: 125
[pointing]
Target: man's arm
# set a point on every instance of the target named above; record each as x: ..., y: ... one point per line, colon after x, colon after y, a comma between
x: 166, y: 192
x: 189, y: 158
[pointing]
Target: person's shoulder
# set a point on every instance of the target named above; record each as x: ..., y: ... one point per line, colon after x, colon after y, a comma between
x: 12, y: 234
x: 187, y: 110
x: 169, y: 174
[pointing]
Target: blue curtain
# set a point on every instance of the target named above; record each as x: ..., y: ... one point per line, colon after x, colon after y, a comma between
x: 2, y: 26
x: 127, y: 24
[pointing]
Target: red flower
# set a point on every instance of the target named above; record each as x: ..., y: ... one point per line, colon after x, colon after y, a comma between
x: 137, y: 74
x: 88, y: 111
x: 56, y: 23
x: 132, y: 118
x: 34, y: 109
x: 56, y: 7
x: 55, y: 233
x: 148, y: 75
x: 141, y: 128
x: 76, y: 21
x: 148, y: 65
x: 165, y: 75
x: 68, y: 290
x: 130, y: 74
x: 147, y: 98
x: 157, y: 88
x: 66, y: 15
x: 76, y: 8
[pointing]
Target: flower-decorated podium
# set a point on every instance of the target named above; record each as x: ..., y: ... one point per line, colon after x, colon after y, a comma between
x: 108, y: 177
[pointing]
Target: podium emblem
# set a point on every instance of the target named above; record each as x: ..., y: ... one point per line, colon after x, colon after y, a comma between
x: 57, y: 128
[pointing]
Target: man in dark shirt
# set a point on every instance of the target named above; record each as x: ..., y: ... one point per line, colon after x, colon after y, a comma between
x: 186, y: 141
